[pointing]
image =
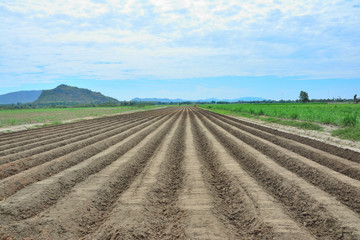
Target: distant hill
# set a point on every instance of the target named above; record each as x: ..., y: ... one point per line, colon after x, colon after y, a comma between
x: 249, y: 99
x: 158, y: 100
x: 20, y: 97
x: 68, y: 95
x: 244, y: 99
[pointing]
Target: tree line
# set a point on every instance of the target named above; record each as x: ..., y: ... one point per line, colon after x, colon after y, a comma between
x: 303, y: 98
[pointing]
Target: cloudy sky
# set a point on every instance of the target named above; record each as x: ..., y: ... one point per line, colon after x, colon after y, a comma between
x: 183, y: 49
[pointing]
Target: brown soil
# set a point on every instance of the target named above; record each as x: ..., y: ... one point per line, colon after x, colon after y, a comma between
x: 175, y: 173
x: 23, y: 127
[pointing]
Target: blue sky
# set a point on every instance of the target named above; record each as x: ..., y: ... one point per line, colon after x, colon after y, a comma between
x: 183, y: 49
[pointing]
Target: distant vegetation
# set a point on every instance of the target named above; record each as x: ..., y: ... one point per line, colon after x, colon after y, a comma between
x: 178, y: 100
x: 19, y: 106
x: 150, y: 103
x: 304, y: 97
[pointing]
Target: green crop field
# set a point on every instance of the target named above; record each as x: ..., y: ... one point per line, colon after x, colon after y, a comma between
x: 342, y: 115
x: 56, y: 115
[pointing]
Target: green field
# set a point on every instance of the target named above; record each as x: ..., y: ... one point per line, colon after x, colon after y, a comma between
x: 56, y: 115
x: 300, y: 115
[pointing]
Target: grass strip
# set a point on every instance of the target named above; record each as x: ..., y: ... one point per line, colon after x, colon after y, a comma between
x: 342, y: 115
x: 293, y: 123
x: 232, y: 113
x: 349, y: 133
x: 298, y: 124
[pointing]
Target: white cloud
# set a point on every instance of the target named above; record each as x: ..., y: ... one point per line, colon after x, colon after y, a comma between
x: 161, y: 39
x: 78, y: 8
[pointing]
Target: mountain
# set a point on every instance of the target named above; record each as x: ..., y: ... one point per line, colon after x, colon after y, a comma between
x: 244, y: 99
x: 64, y: 94
x: 20, y: 97
x: 248, y: 99
x: 158, y: 100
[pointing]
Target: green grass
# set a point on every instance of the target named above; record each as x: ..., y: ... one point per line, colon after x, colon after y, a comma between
x: 336, y: 114
x: 229, y: 112
x: 307, y: 116
x: 57, y: 115
x: 298, y: 124
x: 51, y: 124
x: 349, y: 133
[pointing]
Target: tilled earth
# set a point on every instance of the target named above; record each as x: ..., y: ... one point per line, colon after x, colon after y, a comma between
x: 175, y: 173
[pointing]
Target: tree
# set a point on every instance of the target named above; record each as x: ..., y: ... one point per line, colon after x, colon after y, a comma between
x: 355, y: 99
x: 304, y: 97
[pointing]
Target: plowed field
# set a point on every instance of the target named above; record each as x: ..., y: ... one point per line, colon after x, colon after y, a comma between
x: 175, y: 173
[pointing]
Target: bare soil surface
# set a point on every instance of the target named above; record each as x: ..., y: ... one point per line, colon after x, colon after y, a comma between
x: 176, y: 173
x: 23, y: 127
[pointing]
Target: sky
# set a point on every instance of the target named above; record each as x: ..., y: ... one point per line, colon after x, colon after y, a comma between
x: 183, y: 49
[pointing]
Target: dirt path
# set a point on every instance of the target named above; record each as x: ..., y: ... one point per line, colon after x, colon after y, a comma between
x: 195, y: 198
x: 175, y: 173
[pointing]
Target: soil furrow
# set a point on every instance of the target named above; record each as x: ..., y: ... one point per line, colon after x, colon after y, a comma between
x: 201, y: 222
x: 69, y: 128
x: 45, y: 131
x: 71, y: 149
x: 35, y: 198
x: 147, y: 210
x: 87, y: 205
x: 175, y: 173
x: 345, y: 189
x: 54, y: 150
x: 63, y: 137
x: 322, y: 215
x: 10, y: 185
x: 336, y: 163
x: 242, y: 202
x: 36, y: 133
x: 58, y: 136
x: 337, y: 151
